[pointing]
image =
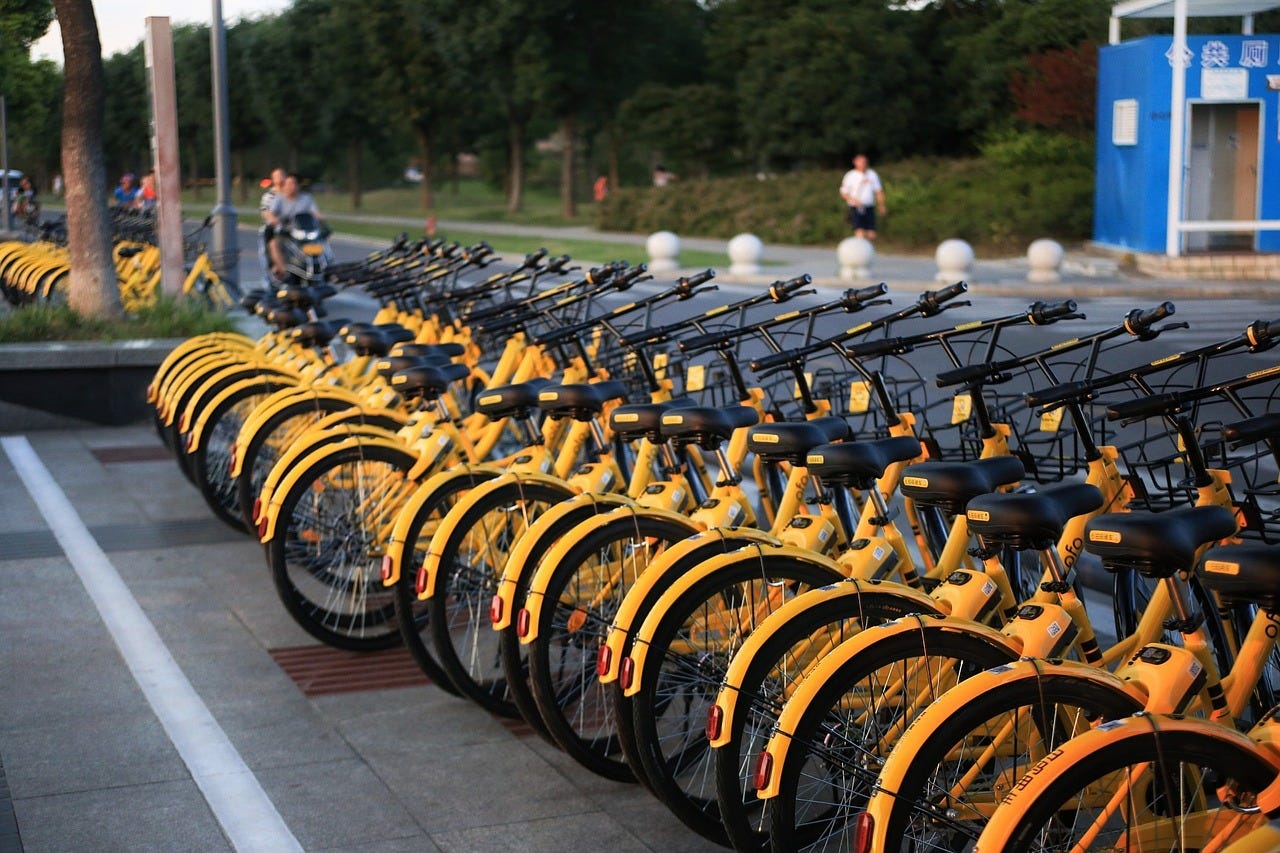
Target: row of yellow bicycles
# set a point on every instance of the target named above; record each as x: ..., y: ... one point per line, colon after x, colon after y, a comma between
x: 37, y: 272
x: 836, y: 605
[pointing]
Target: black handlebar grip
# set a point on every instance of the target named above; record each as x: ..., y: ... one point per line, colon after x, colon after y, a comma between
x: 1262, y: 332
x: 873, y: 291
x: 1144, y: 407
x: 931, y: 301
x: 630, y: 275
x: 780, y: 290
x: 1042, y: 314
x: 769, y: 362
x: 870, y: 349
x: 1056, y: 394
x: 697, y: 343
x: 531, y: 260
x: 968, y: 373
x: 1138, y: 322
x: 690, y: 282
x: 559, y: 265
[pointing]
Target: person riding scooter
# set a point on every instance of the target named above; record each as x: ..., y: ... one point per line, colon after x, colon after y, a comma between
x: 291, y: 207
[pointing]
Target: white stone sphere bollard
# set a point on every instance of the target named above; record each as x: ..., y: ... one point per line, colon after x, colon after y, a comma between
x: 1045, y: 259
x: 855, y: 255
x: 745, y: 252
x: 663, y: 248
x: 955, y: 260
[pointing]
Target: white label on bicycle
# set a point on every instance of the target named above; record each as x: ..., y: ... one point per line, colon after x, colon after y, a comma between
x: 961, y: 408
x: 1195, y: 669
x: 1110, y: 724
x: 823, y: 534
x: 606, y: 477
x: 859, y: 397
x: 877, y: 553
x: 1051, y: 420
x: 696, y: 378
x: 734, y: 512
x: 677, y: 497
x: 1054, y: 629
x: 442, y: 440
x: 988, y: 588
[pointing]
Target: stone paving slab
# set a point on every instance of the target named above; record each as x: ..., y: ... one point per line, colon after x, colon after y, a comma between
x: 90, y: 767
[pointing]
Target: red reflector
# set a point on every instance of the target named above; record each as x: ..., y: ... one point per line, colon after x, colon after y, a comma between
x: 495, y: 610
x: 420, y: 583
x: 603, y: 658
x: 257, y: 508
x: 386, y: 567
x: 626, y: 672
x: 522, y: 622
x: 262, y: 528
x: 182, y: 423
x: 715, y: 719
x: 764, y: 769
x: 191, y: 441
x: 864, y: 827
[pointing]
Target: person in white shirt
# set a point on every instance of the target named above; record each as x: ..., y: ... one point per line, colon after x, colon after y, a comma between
x: 862, y: 191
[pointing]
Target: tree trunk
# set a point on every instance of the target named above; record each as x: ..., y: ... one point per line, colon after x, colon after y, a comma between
x: 355, y: 150
x: 93, y: 289
x: 568, y: 153
x: 515, y: 166
x: 424, y: 154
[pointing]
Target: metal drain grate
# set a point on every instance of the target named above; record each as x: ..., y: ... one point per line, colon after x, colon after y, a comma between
x: 321, y: 670
x: 132, y: 453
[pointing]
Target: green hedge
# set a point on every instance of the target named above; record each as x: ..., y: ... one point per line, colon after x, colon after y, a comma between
x: 996, y: 205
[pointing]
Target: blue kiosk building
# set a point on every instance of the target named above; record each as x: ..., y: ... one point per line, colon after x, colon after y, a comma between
x: 1188, y: 134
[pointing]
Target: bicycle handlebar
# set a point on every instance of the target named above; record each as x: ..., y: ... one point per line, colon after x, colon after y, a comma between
x: 1138, y: 322
x: 1042, y: 314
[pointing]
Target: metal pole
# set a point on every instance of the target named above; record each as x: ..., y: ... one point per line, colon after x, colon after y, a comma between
x: 1177, y: 130
x: 226, y: 253
x: 4, y: 164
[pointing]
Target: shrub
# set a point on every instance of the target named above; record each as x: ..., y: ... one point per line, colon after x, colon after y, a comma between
x: 1028, y: 186
x: 168, y: 318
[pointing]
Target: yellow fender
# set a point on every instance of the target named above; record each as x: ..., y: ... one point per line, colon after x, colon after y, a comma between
x: 313, y: 440
x: 644, y: 634
x: 393, y: 560
x: 449, y: 524
x: 188, y: 349
x: 527, y: 553
x: 547, y: 566
x: 1106, y: 737
x: 967, y: 691
x: 727, y: 700
x: 180, y: 361
x: 277, y: 402
x: 196, y: 432
x: 267, y: 522
x: 677, y: 559
x: 829, y: 667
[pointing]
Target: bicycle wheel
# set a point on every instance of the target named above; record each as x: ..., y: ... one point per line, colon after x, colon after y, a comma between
x: 326, y: 555
x: 264, y: 448
x: 689, y: 653
x: 472, y: 557
x: 855, y: 718
x: 212, y: 462
x: 1126, y: 787
x: 776, y: 667
x: 549, y: 529
x: 576, y: 610
x: 973, y: 751
x: 413, y: 615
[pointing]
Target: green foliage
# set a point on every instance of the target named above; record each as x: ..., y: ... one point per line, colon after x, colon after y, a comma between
x: 168, y: 318
x: 1016, y: 148
x: 996, y: 206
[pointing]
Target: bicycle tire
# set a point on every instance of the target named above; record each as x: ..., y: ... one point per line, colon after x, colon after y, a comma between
x: 922, y: 812
x: 573, y: 705
x: 412, y: 615
x: 1180, y: 756
x: 674, y: 751
x: 351, y: 612
x: 213, y: 455
x: 463, y: 639
x: 827, y: 770
x: 259, y: 454
x: 515, y: 655
x: 762, y: 690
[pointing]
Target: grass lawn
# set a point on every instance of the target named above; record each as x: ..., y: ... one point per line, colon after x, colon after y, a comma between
x: 594, y: 251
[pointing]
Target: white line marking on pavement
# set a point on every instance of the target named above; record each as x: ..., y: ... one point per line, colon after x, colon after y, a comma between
x: 243, y: 809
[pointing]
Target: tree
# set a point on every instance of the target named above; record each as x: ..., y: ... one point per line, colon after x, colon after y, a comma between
x: 125, y: 143
x: 93, y: 290
x: 1058, y: 89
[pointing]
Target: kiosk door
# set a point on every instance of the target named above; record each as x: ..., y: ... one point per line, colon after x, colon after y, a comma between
x: 1222, y: 173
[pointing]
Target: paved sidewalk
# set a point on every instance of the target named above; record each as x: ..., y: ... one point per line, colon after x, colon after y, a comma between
x: 348, y: 762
